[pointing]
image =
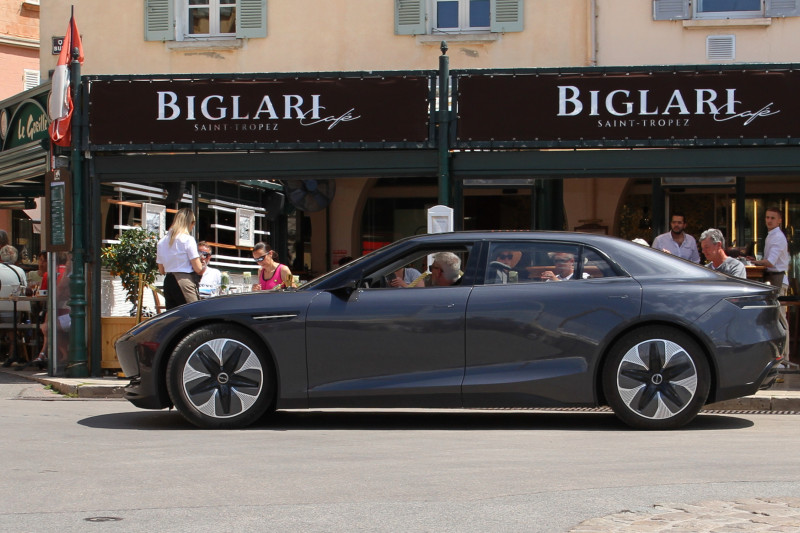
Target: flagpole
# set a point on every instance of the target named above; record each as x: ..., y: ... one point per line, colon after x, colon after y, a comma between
x: 77, y: 366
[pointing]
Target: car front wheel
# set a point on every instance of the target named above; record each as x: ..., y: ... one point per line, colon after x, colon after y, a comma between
x: 219, y: 377
x: 656, y: 378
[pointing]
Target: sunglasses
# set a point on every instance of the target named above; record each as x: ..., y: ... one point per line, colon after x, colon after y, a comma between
x: 505, y: 256
x: 562, y: 260
x: 259, y: 259
x: 205, y: 254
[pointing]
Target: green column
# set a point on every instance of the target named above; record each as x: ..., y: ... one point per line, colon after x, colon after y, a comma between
x: 77, y: 366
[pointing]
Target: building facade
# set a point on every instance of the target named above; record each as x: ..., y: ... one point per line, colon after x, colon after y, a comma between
x: 257, y: 36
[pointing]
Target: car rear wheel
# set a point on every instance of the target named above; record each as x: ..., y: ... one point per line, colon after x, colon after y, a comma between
x: 219, y: 377
x: 656, y: 378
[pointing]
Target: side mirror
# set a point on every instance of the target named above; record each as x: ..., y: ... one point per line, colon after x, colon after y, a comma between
x: 346, y: 290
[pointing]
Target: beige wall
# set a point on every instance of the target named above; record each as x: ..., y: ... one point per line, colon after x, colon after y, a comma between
x: 353, y: 35
x: 628, y: 35
x: 334, y: 35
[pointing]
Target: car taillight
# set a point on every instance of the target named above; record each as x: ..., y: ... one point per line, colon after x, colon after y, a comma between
x: 758, y: 301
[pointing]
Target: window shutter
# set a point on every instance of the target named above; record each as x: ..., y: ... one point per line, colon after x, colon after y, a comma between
x: 251, y: 18
x: 409, y: 17
x: 159, y: 19
x: 506, y: 15
x: 670, y: 9
x: 782, y: 8
x: 31, y: 79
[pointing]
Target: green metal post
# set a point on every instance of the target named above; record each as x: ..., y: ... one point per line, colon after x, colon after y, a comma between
x: 443, y: 123
x: 77, y: 366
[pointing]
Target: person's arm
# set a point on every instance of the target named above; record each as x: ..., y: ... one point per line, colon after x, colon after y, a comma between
x: 771, y: 253
x: 198, y: 266
x: 161, y: 269
x: 694, y: 256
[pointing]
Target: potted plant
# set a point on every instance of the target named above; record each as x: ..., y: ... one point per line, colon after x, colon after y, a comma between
x: 133, y: 259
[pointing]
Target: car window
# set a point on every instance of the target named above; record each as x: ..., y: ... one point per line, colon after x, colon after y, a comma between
x: 529, y: 262
x: 413, y: 269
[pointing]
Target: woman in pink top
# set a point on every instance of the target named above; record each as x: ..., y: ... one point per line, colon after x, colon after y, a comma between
x: 272, y: 275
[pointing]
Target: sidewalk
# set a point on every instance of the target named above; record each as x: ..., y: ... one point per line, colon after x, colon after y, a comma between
x: 106, y: 387
x: 782, y: 397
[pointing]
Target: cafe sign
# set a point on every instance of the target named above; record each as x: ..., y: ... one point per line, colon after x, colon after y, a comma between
x: 27, y: 125
x: 285, y: 112
x: 603, y: 108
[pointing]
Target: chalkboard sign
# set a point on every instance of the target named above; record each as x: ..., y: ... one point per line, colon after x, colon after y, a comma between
x: 58, y: 194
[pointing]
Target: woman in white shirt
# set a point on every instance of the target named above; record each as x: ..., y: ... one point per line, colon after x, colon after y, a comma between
x: 178, y: 258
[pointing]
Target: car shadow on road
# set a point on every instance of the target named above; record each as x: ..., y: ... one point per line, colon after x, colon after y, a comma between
x: 488, y: 420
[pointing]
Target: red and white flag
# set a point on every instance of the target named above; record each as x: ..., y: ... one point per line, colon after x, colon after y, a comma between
x: 60, y: 104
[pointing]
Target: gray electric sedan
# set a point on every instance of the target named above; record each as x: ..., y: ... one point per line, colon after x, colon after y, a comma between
x: 496, y: 319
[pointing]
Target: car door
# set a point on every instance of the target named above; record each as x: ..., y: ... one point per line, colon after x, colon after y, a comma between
x: 381, y: 346
x: 534, y: 342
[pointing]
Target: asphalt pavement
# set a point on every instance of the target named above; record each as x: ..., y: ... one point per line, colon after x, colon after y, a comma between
x: 711, y: 516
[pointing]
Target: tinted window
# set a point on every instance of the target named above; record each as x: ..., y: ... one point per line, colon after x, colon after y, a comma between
x: 543, y: 261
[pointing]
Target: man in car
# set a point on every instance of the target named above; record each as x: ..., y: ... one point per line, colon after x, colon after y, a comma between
x: 564, y: 268
x: 712, y: 242
x: 445, y: 269
x: 677, y: 241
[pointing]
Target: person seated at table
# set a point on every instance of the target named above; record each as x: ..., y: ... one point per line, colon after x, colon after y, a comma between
x: 212, y: 277
x: 12, y: 282
x: 61, y: 267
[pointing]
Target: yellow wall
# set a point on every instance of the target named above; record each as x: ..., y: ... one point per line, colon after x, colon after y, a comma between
x: 315, y: 35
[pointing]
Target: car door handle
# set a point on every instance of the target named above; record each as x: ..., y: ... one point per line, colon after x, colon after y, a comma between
x: 444, y: 306
x: 619, y: 296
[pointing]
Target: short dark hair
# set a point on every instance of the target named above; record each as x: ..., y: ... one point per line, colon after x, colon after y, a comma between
x: 678, y: 214
x: 775, y: 210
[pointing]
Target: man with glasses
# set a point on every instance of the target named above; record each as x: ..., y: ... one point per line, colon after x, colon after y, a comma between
x: 445, y: 269
x: 564, y: 268
x: 500, y: 269
x: 212, y: 277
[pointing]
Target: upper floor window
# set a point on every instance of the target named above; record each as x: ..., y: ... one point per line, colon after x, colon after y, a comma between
x: 421, y: 17
x: 729, y: 9
x: 724, y: 9
x: 210, y: 18
x: 462, y: 15
x: 178, y: 20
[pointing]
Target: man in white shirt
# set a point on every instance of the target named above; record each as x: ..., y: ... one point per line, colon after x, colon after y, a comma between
x: 776, y: 251
x: 677, y: 241
x: 212, y: 277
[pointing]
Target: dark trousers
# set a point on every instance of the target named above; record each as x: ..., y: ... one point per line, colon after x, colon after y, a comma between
x: 180, y: 288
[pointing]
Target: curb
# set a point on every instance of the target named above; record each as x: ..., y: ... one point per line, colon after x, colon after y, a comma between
x: 757, y: 403
x: 78, y: 389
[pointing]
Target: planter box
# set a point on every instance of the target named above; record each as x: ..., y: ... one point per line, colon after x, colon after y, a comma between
x: 113, y: 327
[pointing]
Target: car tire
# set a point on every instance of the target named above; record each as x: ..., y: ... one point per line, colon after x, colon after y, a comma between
x: 219, y: 377
x: 656, y: 378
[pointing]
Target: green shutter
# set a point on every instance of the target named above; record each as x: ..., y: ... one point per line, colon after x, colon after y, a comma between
x: 506, y: 16
x: 670, y: 9
x: 409, y: 17
x: 782, y: 8
x: 251, y: 18
x: 159, y: 19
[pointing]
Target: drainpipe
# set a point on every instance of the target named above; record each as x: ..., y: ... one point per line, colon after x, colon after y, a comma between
x: 593, y: 33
